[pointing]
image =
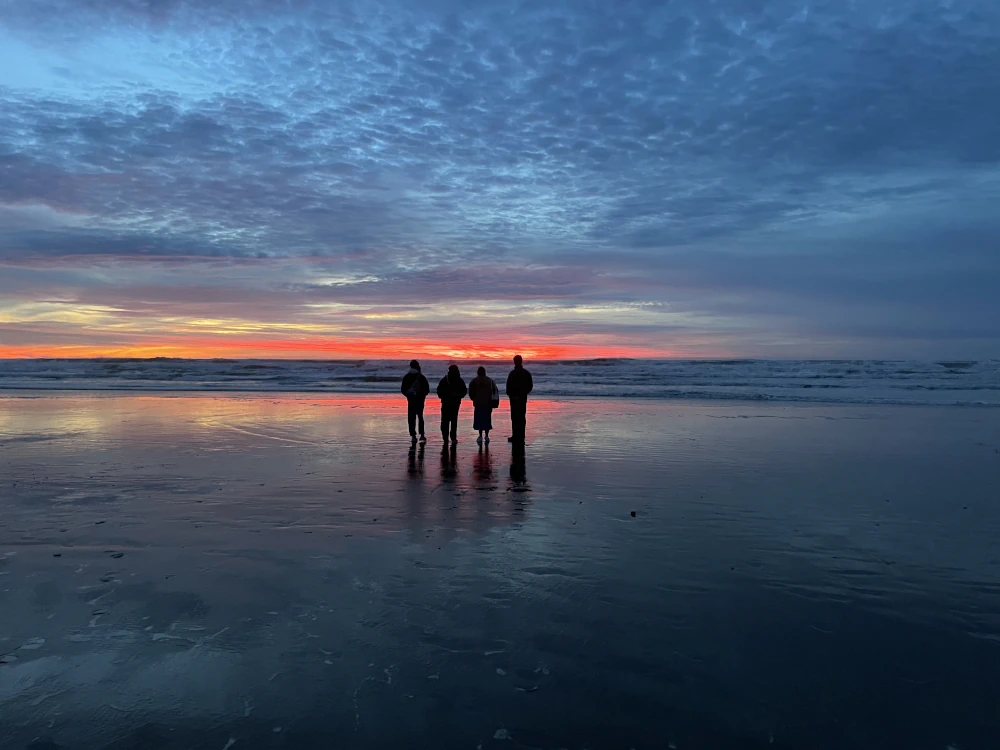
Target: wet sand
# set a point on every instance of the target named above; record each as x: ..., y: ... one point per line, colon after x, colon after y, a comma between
x: 284, y: 572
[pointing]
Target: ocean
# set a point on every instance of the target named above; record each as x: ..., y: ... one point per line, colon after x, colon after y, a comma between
x: 942, y: 383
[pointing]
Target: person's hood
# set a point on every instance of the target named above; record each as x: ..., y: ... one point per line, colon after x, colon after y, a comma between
x: 413, y: 372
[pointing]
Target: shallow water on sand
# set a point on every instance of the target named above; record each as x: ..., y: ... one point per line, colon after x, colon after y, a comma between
x: 285, y: 572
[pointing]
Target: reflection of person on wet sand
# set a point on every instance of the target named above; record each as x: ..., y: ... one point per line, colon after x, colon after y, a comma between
x: 482, y: 469
x: 518, y: 471
x: 449, y: 463
x: 415, y: 461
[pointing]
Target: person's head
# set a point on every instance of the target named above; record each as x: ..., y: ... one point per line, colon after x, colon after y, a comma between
x: 414, y: 365
x: 518, y: 362
x: 481, y: 372
x: 453, y: 373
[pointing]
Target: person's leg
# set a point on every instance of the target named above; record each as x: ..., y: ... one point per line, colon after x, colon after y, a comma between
x: 411, y: 418
x: 454, y: 424
x: 447, y: 421
x: 420, y: 418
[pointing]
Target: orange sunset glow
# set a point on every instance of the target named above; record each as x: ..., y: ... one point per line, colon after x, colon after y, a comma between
x: 206, y: 348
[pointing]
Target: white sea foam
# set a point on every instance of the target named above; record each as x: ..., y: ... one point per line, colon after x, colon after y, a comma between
x: 973, y: 383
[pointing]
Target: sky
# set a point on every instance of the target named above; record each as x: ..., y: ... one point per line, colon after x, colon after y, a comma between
x: 453, y: 178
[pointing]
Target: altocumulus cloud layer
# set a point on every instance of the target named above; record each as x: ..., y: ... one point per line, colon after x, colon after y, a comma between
x: 740, y: 177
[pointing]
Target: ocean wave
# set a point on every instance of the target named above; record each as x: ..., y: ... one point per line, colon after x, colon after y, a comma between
x: 974, y: 383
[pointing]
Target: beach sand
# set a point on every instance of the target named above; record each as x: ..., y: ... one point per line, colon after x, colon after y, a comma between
x: 265, y: 571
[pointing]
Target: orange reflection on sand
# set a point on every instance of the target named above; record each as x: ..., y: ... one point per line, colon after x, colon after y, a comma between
x: 188, y: 400
x: 374, y: 401
x: 292, y: 419
x: 391, y: 401
x: 304, y: 408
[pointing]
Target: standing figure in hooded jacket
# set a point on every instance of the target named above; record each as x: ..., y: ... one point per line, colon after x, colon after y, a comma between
x: 519, y: 385
x: 451, y: 390
x: 484, y: 394
x: 415, y: 387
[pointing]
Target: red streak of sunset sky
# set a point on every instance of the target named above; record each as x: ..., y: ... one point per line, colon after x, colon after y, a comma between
x: 228, y: 347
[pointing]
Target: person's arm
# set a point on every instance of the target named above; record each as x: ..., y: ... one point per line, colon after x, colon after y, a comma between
x: 440, y: 389
x: 509, y: 380
x: 463, y: 390
x: 531, y: 384
x: 426, y: 385
x: 402, y: 387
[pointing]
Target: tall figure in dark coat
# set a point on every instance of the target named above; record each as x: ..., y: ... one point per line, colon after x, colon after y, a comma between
x: 415, y: 387
x: 451, y: 390
x: 519, y: 385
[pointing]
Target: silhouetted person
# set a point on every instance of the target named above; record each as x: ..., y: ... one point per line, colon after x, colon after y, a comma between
x: 485, y: 398
x: 451, y: 390
x: 415, y: 387
x: 519, y: 385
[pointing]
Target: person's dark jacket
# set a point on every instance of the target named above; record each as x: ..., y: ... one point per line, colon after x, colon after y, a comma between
x: 423, y: 387
x: 519, y: 384
x: 481, y: 391
x: 451, y: 390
